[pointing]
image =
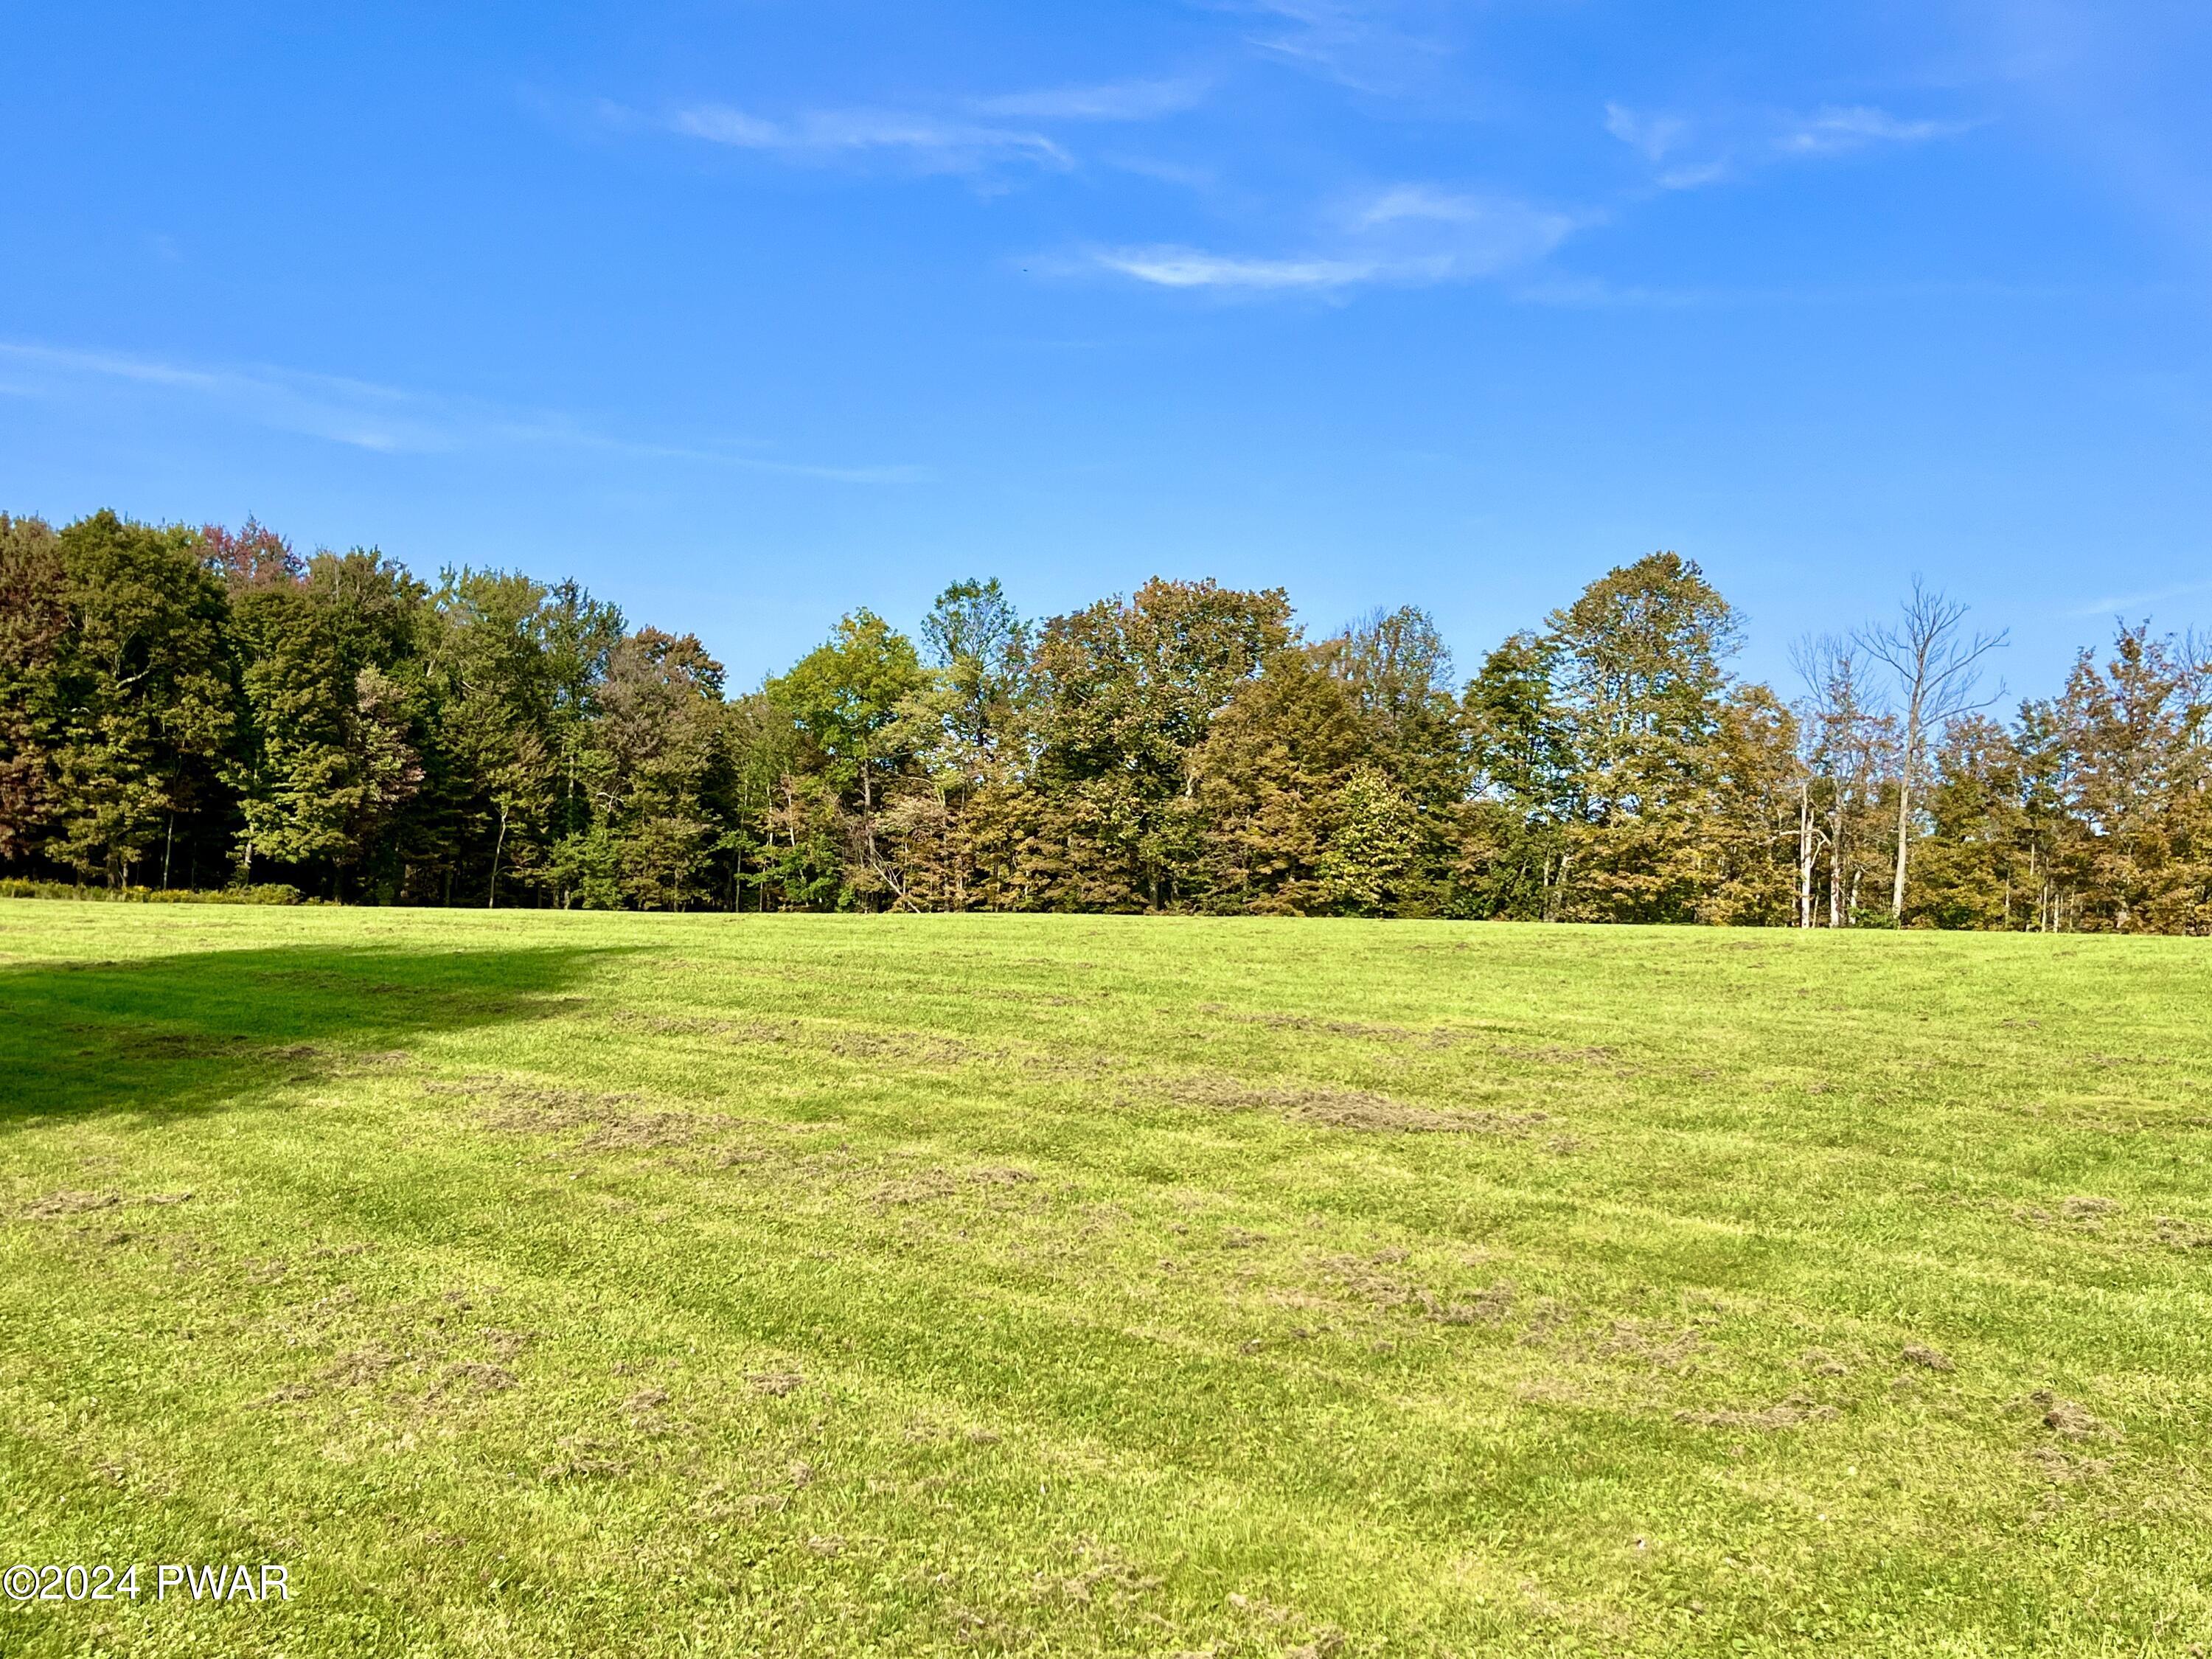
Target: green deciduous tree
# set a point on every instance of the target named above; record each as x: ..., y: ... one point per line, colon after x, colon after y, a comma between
x: 328, y: 752
x: 35, y: 625
x: 145, y: 692
x: 657, y: 766
x: 201, y: 700
x: 850, y: 698
x: 1511, y: 838
x: 1271, y: 775
x: 1127, y: 691
x: 1639, y: 683
x: 2138, y: 731
x: 495, y: 691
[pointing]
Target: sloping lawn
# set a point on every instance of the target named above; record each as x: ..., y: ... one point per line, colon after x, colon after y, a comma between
x: 563, y: 1285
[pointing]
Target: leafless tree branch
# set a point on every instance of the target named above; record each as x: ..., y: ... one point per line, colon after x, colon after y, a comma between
x: 1938, y: 669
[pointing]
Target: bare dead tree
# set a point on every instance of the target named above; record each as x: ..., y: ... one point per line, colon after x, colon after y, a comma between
x: 1843, y: 732
x: 1810, y: 657
x: 1938, y: 667
x: 1809, y: 847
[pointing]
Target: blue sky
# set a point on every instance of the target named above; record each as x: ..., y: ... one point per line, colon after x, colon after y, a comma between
x: 748, y: 312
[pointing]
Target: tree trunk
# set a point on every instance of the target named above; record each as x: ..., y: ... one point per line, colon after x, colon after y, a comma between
x: 1804, y: 853
x: 1836, y: 862
x: 491, y: 893
x: 1904, y: 828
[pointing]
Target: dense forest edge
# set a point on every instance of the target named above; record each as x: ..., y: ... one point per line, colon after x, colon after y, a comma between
x: 205, y: 712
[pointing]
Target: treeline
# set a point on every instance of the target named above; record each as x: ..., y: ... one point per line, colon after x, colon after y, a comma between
x: 186, y: 709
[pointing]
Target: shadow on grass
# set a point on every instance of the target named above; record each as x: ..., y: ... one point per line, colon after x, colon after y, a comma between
x: 202, y: 1031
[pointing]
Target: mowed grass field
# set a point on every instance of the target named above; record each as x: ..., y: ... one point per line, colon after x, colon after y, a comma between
x: 566, y: 1284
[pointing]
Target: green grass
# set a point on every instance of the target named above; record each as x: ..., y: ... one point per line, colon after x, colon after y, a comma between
x: 600, y: 1284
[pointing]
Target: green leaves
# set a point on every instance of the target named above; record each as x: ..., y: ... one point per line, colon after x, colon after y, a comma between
x: 142, y: 691
x: 845, y: 695
x: 189, y: 707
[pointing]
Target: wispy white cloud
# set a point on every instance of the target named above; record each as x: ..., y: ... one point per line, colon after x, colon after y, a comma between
x: 1402, y: 202
x: 1834, y: 131
x: 381, y: 419
x: 1505, y: 229
x: 984, y: 133
x: 1315, y: 31
x: 2113, y: 604
x: 357, y: 413
x: 1657, y: 137
x: 1370, y: 46
x: 1409, y: 234
x: 925, y: 141
x: 1688, y: 154
x: 1695, y: 176
x: 1189, y: 267
x: 1117, y: 100
x: 1654, y: 135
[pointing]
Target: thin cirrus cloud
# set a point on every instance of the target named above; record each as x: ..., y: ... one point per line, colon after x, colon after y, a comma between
x: 1368, y: 46
x: 2113, y: 603
x: 1409, y: 234
x: 1834, y: 131
x: 1116, y: 100
x: 1316, y: 31
x: 363, y: 415
x: 1653, y: 135
x: 1194, y: 267
x: 1688, y: 153
x: 984, y: 136
x: 817, y: 135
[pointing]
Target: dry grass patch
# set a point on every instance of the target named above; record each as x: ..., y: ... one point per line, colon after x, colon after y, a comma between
x: 1792, y: 1412
x: 2067, y: 1419
x: 1435, y: 1038
x: 1328, y: 1107
x: 57, y: 1206
x: 618, y: 1121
